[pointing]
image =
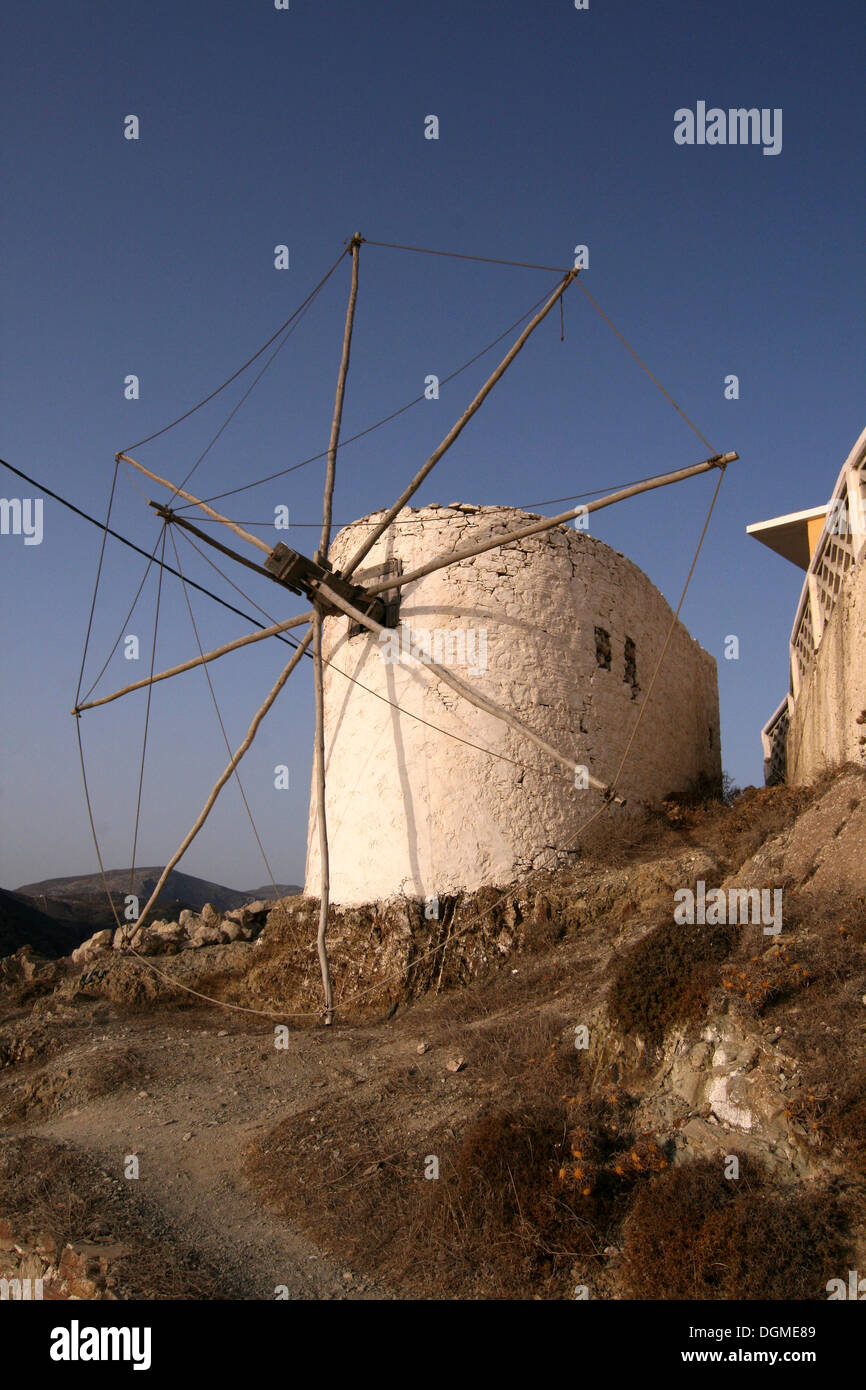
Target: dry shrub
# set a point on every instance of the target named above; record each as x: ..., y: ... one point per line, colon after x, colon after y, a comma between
x: 692, y: 1233
x: 618, y: 837
x: 515, y: 1054
x: 832, y: 1103
x: 731, y: 830
x: 350, y: 1181
x: 766, y: 979
x: 113, y: 1069
x: 507, y: 1216
x: 812, y: 982
x: 844, y: 1120
x: 702, y: 792
x: 534, y: 1195
x: 666, y: 978
x: 728, y: 823
x: 502, y: 1221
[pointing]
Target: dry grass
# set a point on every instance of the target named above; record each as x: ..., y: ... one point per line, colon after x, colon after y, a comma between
x: 56, y: 1191
x: 73, y: 1082
x: 541, y: 1181
x: 692, y: 1233
x: 506, y: 1217
x: 666, y: 979
x: 731, y: 832
x: 533, y: 1199
x: 817, y: 984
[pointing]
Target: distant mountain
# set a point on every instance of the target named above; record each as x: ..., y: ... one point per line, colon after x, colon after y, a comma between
x: 81, y: 901
x: 193, y: 892
x: 267, y: 892
x: 77, y: 907
x: 22, y: 924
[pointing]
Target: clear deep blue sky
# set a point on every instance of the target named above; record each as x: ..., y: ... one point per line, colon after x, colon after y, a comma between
x: 260, y: 127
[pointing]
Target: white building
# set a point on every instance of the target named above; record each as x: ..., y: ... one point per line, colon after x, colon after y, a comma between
x: 822, y: 720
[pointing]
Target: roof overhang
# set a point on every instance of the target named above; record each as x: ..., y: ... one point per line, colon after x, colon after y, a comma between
x: 793, y: 536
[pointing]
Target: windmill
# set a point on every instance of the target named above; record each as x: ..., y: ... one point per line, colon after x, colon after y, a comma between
x: 341, y: 593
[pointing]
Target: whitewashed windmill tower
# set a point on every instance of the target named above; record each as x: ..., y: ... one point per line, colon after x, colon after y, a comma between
x: 426, y: 793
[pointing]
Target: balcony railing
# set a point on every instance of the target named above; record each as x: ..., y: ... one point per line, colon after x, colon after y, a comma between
x: 774, y: 737
x: 840, y: 547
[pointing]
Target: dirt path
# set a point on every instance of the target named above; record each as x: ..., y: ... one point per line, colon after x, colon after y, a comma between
x: 187, y: 1090
x: 210, y: 1088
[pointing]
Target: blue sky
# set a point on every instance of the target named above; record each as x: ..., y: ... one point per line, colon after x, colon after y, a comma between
x: 261, y: 127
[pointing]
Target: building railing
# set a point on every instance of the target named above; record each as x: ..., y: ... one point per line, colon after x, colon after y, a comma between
x: 774, y: 737
x: 840, y: 547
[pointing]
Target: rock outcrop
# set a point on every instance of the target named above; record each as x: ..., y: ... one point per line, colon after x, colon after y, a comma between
x: 192, y: 931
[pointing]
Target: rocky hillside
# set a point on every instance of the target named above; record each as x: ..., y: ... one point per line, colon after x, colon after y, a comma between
x: 270, y: 891
x: 22, y: 923
x: 617, y: 1101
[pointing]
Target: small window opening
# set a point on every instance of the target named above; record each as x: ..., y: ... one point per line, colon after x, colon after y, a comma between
x: 630, y: 675
x: 602, y: 648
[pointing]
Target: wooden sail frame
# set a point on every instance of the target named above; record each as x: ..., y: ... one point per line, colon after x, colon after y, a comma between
x: 327, y: 598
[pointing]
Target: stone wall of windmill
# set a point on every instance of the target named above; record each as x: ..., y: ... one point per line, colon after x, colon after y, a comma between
x: 436, y: 796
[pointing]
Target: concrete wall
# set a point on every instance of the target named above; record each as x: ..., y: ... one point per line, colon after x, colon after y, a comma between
x: 410, y: 809
x: 823, y: 730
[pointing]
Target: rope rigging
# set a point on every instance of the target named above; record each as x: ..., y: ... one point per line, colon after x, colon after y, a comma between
x: 324, y: 598
x: 146, y: 720
x: 250, y: 360
x: 385, y: 420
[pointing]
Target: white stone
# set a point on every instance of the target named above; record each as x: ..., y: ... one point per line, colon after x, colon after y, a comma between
x: 208, y: 934
x: 169, y: 931
x: 100, y: 941
x: 724, y: 1107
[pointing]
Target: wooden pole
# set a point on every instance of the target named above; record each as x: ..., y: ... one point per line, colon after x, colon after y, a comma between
x: 321, y: 818
x: 224, y: 777
x: 217, y: 516
x: 321, y: 555
x: 457, y: 429
x: 199, y: 660
x: 325, y: 541
x: 509, y: 537
x: 469, y: 693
